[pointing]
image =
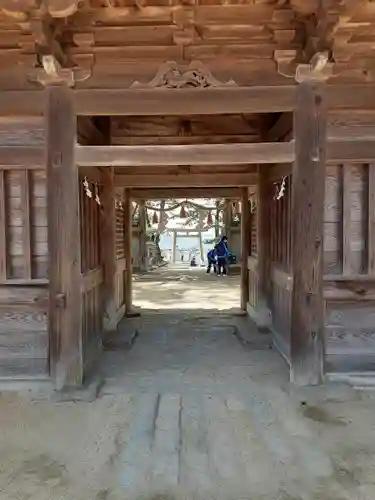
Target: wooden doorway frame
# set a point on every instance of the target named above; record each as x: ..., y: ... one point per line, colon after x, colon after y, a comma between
x: 63, y: 153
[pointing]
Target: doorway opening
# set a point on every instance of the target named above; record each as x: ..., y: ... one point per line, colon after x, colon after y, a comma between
x: 175, y: 263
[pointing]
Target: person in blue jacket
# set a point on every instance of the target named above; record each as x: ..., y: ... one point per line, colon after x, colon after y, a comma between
x: 222, y: 253
x: 211, y: 259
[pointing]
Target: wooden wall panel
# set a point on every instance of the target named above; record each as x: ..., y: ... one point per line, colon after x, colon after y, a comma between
x: 350, y: 335
x: 23, y: 331
x: 348, y: 263
x: 21, y: 131
x: 24, y: 341
x: 23, y: 221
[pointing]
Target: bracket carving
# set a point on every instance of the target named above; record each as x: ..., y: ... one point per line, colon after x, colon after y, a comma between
x: 318, y: 69
x: 170, y: 76
x: 20, y: 9
x: 53, y: 74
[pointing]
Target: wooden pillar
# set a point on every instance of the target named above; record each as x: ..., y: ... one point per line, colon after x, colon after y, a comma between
x: 65, y: 305
x: 263, y: 314
x: 308, y: 193
x: 174, y: 244
x: 108, y: 244
x: 142, y: 236
x: 245, y: 247
x: 128, y: 234
x: 201, y: 249
x: 227, y: 217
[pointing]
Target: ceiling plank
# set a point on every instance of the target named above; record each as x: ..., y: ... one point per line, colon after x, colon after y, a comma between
x: 193, y: 154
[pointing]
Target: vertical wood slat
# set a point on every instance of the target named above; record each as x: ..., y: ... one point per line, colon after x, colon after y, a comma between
x: 288, y: 229
x: 346, y: 219
x: 26, y: 224
x: 108, y: 244
x: 245, y: 241
x: 128, y: 233
x: 263, y: 235
x: 3, y: 229
x: 307, y: 310
x: 371, y: 219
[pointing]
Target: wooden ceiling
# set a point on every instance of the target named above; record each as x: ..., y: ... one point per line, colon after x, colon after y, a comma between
x: 253, y: 42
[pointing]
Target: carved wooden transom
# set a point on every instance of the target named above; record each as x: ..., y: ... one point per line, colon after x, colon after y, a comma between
x: 170, y: 76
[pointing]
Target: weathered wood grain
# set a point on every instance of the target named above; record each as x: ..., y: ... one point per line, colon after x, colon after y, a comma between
x: 63, y: 237
x: 307, y: 313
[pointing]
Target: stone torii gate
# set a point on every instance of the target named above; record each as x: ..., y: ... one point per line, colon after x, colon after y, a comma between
x: 186, y: 234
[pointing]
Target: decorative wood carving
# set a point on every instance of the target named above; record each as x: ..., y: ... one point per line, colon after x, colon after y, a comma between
x: 19, y: 9
x: 53, y: 74
x: 319, y: 68
x: 170, y: 76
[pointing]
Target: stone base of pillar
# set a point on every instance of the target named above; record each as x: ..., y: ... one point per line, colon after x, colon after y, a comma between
x: 262, y: 316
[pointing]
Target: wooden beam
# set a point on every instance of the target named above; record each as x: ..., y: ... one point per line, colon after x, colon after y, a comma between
x: 140, y: 102
x: 185, y: 180
x: 307, y: 310
x: 281, y: 128
x: 28, y: 157
x: 351, y: 150
x: 182, y: 193
x: 185, y: 101
x: 194, y: 154
x: 281, y: 153
x: 22, y: 102
x: 128, y: 235
x: 245, y: 247
x: 63, y: 238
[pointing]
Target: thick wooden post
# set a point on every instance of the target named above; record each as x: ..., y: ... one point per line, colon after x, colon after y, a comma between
x: 128, y: 235
x: 227, y: 217
x: 108, y: 243
x: 142, y: 236
x: 308, y: 194
x: 65, y: 310
x: 263, y: 233
x: 245, y: 247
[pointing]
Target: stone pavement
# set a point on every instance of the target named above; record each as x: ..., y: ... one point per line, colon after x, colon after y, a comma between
x: 190, y: 412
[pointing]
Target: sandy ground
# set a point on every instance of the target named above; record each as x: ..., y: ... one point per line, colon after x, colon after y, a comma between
x: 191, y: 413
